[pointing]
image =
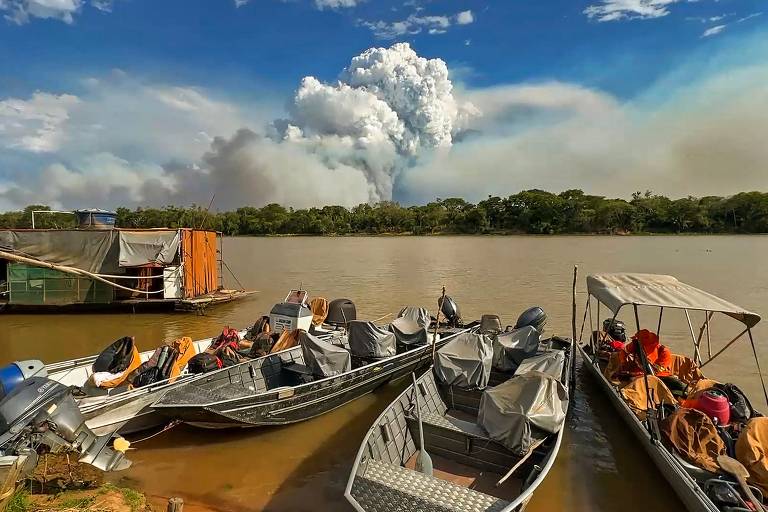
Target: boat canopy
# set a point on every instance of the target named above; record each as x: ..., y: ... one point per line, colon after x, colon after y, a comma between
x: 617, y: 290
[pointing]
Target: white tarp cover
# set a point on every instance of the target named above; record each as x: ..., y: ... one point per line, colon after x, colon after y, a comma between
x: 143, y: 247
x: 512, y: 347
x: 522, y: 409
x: 617, y: 290
x: 324, y: 359
x: 368, y: 340
x: 550, y: 363
x: 465, y: 361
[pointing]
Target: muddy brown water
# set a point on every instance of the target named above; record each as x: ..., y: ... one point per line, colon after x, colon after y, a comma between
x: 304, y: 467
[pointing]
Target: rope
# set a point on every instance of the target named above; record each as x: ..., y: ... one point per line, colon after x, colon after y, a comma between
x: 169, y: 426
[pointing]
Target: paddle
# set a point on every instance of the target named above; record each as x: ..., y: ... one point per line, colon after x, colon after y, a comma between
x: 423, y: 460
x: 525, y: 457
x: 737, y: 469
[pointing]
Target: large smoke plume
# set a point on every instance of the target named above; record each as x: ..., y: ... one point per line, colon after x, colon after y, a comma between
x: 344, y: 142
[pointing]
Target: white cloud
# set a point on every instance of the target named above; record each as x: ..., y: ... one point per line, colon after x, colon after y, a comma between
x: 613, y: 10
x: 336, y: 4
x: 749, y: 17
x: 36, y: 124
x: 465, y: 18
x: 415, y: 24
x: 713, y: 31
x: 21, y: 11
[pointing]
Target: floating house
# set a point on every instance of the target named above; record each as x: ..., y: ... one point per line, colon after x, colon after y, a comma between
x: 99, y: 265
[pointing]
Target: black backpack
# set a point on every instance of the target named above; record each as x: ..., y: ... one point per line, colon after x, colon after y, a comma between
x: 148, y: 376
x: 741, y: 409
x: 204, y: 363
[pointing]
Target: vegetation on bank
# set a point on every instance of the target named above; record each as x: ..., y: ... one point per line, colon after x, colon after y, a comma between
x: 530, y: 211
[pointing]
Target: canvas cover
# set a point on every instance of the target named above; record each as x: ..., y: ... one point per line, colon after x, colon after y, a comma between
x: 91, y: 250
x: 693, y: 436
x: 465, y: 361
x: 511, y: 348
x: 550, y: 363
x: 617, y: 290
x: 368, y: 340
x: 635, y: 394
x: 324, y: 359
x: 418, y: 315
x: 148, y: 247
x: 752, y: 451
x: 408, y: 332
x: 523, y: 409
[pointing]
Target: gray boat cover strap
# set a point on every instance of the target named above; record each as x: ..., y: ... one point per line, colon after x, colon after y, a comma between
x: 408, y: 332
x: 465, y: 361
x: 523, y: 408
x: 418, y: 315
x: 550, y: 363
x: 368, y: 340
x: 510, y: 348
x: 324, y: 359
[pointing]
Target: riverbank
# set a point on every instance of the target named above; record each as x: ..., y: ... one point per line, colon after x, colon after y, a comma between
x: 58, y: 485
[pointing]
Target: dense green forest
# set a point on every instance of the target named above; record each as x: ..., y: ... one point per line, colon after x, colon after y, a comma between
x: 530, y: 211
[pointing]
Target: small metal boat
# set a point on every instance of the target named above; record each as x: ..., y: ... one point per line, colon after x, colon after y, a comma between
x: 125, y: 409
x: 700, y: 489
x: 292, y: 385
x: 473, y: 468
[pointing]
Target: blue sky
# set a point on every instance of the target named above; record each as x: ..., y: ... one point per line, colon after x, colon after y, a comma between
x: 240, y: 63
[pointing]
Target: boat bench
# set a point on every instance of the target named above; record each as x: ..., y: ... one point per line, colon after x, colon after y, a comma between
x: 302, y: 372
x: 462, y: 441
x: 385, y: 487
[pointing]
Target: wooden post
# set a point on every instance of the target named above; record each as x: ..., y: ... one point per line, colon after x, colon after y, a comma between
x: 175, y: 505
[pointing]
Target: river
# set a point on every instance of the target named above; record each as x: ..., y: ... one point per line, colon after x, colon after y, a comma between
x: 304, y: 467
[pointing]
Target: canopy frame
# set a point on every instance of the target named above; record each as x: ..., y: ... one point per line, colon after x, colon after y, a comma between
x: 615, y: 303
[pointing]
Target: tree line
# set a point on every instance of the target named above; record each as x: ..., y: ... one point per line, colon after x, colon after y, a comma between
x: 529, y: 211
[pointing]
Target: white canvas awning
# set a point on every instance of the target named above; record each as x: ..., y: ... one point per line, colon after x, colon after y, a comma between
x: 617, y: 290
x: 148, y: 247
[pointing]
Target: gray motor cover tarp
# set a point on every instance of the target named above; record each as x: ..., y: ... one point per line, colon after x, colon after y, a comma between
x: 522, y: 409
x: 550, y: 363
x: 418, y: 315
x: 143, y: 247
x: 324, y: 359
x: 368, y: 340
x: 512, y: 347
x: 92, y: 250
x: 465, y: 361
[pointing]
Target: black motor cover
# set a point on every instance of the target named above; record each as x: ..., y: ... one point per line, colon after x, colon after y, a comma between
x: 449, y: 309
x: 341, y: 312
x: 535, y: 317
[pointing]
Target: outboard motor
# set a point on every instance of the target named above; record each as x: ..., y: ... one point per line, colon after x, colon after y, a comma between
x: 341, y: 312
x: 615, y: 329
x: 450, y: 311
x: 15, y: 373
x: 42, y: 412
x: 534, y: 317
x: 490, y: 324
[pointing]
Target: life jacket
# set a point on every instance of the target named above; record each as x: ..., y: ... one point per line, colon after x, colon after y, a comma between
x: 658, y: 356
x: 116, y: 363
x: 319, y: 308
x: 185, y: 349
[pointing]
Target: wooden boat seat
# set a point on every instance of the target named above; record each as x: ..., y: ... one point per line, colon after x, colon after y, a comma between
x: 462, y: 441
x: 386, y: 487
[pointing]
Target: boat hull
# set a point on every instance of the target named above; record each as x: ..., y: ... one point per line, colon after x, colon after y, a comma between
x: 306, y: 402
x: 684, y: 485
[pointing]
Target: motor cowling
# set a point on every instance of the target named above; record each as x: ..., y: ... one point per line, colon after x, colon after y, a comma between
x: 341, y: 312
x: 41, y: 411
x: 534, y: 317
x: 450, y: 310
x: 17, y: 372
